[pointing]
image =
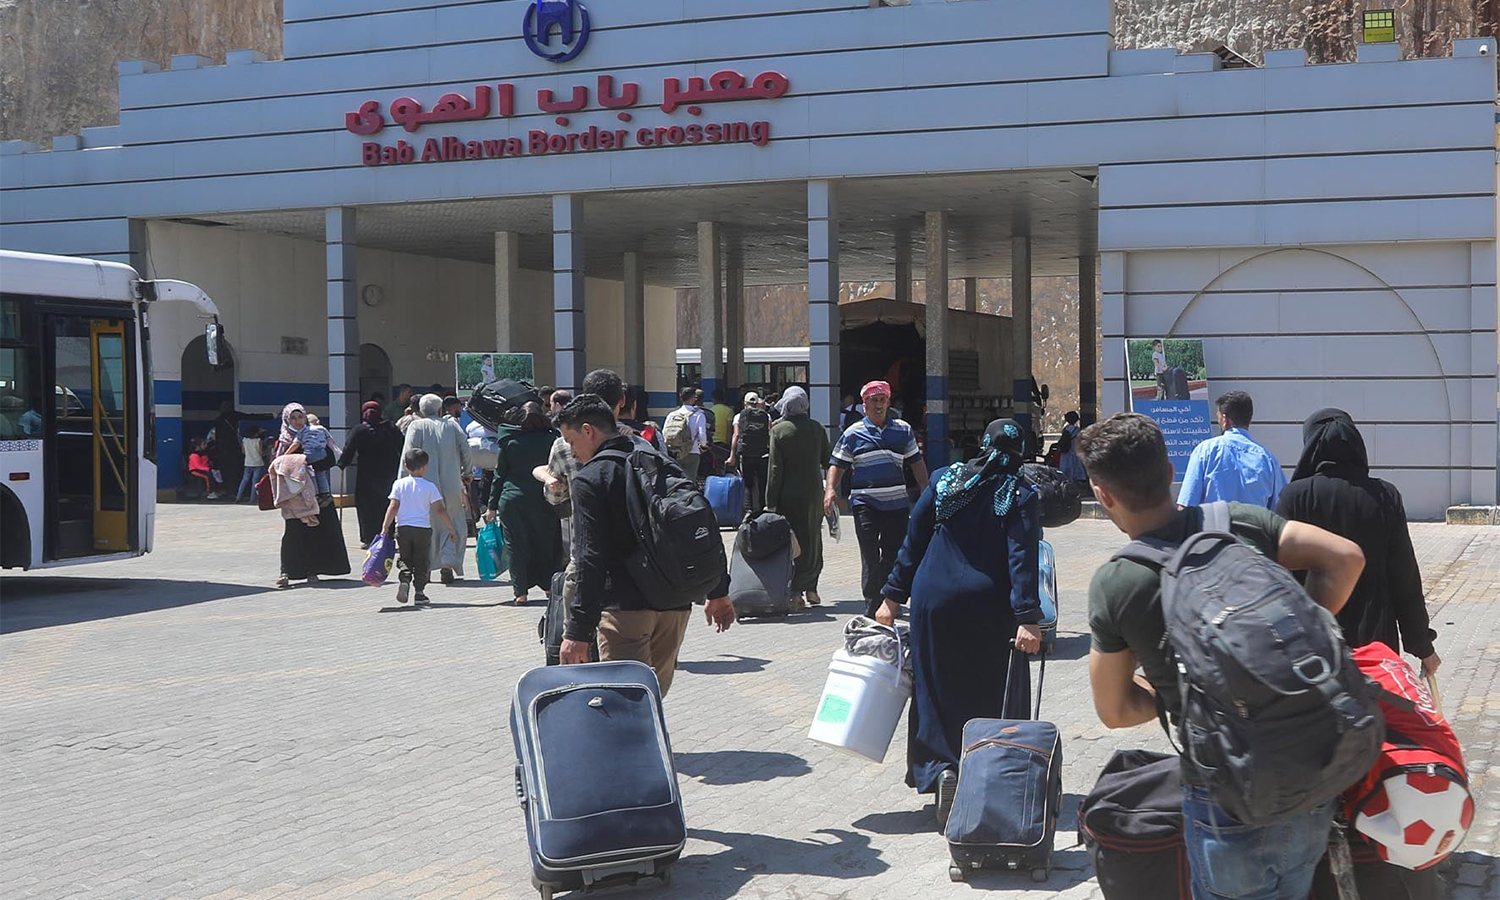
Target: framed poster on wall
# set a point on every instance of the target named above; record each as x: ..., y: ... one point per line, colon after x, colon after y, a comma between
x: 1169, y: 382
x: 473, y: 369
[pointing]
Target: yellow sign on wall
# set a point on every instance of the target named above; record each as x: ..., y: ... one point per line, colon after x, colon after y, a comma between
x: 1380, y: 26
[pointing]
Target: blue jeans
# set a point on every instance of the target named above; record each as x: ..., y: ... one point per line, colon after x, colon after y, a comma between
x: 248, y: 481
x: 1230, y: 861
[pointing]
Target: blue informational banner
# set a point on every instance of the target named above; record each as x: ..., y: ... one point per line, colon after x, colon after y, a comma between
x: 1184, y: 423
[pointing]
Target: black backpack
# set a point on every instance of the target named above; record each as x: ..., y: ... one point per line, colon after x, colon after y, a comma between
x: 1276, y: 717
x: 678, y: 557
x: 1175, y: 381
x: 494, y: 404
x: 1060, y: 500
x: 755, y: 432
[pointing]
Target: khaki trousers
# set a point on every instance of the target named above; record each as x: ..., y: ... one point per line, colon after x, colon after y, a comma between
x: 644, y: 635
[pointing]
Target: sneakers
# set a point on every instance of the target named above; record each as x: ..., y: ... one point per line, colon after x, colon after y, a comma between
x: 813, y: 599
x: 947, y: 788
x: 421, y: 601
x: 403, y: 590
x: 447, y: 575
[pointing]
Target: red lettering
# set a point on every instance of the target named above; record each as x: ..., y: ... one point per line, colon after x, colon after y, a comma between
x: 661, y: 136
x: 695, y: 134
x: 473, y: 150
x: 760, y: 133
x: 557, y: 143
x: 513, y: 147
x: 606, y: 140
x: 537, y: 141
x: 371, y: 154
x: 405, y: 152
x: 737, y: 131
x: 713, y: 133
x: 620, y: 137
x: 431, y: 151
x: 643, y: 137
x: 573, y: 141
x: 675, y: 134
x: 453, y: 148
x: 494, y: 148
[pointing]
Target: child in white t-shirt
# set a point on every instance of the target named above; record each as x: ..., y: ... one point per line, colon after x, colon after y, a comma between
x: 414, y: 501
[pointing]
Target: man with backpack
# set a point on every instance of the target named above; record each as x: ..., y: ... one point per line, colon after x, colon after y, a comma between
x: 750, y: 444
x: 685, y: 433
x: 645, y: 543
x: 1274, y: 720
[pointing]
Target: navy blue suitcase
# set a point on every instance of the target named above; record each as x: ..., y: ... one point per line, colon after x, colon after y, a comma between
x: 726, y: 494
x: 595, y: 776
x: 1009, y: 790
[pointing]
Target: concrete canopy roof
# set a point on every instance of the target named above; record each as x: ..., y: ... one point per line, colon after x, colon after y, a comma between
x: 763, y: 225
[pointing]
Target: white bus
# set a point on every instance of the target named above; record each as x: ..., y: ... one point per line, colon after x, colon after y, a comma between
x: 77, y: 427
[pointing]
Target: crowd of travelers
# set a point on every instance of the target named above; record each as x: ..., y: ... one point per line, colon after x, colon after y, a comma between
x: 937, y: 548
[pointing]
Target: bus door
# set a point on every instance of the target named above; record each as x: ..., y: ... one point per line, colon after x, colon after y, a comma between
x: 90, y: 466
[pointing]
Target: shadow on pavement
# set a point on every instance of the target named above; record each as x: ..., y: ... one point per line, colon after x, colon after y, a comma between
x: 1071, y: 646
x: 410, y: 608
x: 902, y: 821
x: 727, y: 664
x: 721, y: 767
x: 722, y: 875
x: 44, y: 601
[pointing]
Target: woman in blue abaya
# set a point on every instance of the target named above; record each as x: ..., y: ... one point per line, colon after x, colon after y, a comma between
x: 969, y: 569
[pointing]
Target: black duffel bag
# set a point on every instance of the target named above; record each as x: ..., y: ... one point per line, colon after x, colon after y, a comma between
x: 1060, y: 497
x: 498, y: 402
x: 1131, y: 823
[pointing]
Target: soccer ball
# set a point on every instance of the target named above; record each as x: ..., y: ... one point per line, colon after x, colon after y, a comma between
x: 1415, y: 819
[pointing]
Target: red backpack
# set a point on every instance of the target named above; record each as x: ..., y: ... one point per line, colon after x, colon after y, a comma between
x: 1414, y: 804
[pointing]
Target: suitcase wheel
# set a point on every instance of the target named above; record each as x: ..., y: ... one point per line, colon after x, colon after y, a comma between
x: 666, y: 877
x: 956, y: 873
x: 546, y: 891
x: 1039, y: 874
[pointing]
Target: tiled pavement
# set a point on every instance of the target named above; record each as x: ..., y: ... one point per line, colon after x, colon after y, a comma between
x: 172, y: 728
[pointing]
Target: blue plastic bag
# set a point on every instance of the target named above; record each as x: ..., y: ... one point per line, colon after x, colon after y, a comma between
x: 379, y: 561
x: 488, y: 548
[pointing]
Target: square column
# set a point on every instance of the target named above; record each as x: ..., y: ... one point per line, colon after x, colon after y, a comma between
x: 936, y: 283
x: 1020, y: 300
x: 343, y: 323
x: 710, y: 313
x: 734, y: 327
x: 568, y: 290
x: 1088, y: 349
x: 903, y: 264
x: 823, y: 302
x: 508, y: 301
x: 635, y: 321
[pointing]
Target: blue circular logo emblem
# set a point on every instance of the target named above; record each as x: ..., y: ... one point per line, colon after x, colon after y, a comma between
x: 556, y: 29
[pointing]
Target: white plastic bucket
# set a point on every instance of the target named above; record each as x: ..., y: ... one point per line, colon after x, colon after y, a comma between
x: 861, y: 705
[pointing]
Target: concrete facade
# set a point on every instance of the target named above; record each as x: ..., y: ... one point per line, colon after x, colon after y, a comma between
x: 1330, y: 227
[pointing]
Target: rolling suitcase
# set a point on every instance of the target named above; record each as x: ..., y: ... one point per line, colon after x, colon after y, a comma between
x: 1131, y: 823
x: 760, y: 569
x: 595, y: 777
x: 1009, y: 789
x: 553, y: 623
x: 493, y: 404
x: 726, y: 493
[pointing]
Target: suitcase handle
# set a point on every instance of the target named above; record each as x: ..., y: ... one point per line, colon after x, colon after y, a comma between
x: 1040, y: 678
x: 520, y: 784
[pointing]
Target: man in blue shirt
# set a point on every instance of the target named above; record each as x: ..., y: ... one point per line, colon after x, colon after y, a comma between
x: 876, y: 451
x: 1232, y: 466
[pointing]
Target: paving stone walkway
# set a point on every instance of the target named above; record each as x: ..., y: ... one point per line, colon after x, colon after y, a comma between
x: 170, y: 727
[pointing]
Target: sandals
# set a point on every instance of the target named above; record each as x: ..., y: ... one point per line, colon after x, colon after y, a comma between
x: 520, y: 599
x: 282, y: 582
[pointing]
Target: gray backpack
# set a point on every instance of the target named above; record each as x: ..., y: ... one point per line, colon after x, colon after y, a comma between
x: 1276, y: 717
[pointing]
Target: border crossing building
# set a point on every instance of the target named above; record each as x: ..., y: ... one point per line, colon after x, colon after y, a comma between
x: 420, y: 177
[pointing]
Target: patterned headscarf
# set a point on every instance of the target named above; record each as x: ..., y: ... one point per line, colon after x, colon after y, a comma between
x: 370, y: 413
x: 288, y: 433
x: 1001, y: 457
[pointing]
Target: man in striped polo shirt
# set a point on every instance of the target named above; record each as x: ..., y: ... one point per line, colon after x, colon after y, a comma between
x: 876, y: 449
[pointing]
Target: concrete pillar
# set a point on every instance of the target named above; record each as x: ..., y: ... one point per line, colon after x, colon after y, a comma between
x: 823, y: 301
x: 567, y: 291
x: 635, y: 320
x: 710, y: 318
x: 1088, y: 348
x: 971, y: 294
x: 509, y: 304
x: 1020, y: 301
x: 936, y: 282
x: 903, y: 264
x: 734, y: 326
x: 343, y: 324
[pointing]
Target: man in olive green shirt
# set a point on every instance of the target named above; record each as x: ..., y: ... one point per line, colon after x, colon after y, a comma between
x: 794, y: 488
